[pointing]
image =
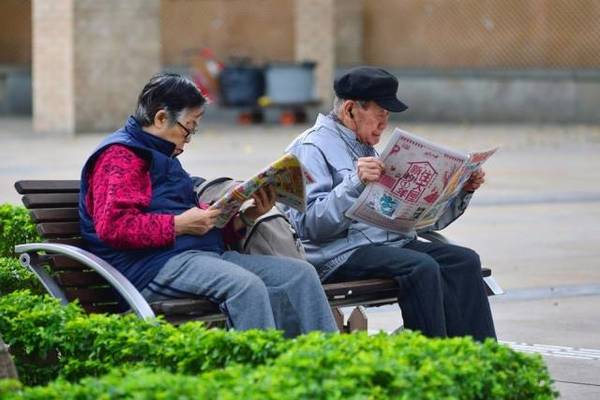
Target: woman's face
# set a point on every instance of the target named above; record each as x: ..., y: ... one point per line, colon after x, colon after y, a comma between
x: 179, y: 133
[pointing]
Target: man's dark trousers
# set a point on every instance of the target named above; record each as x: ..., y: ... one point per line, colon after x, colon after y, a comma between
x: 441, y: 291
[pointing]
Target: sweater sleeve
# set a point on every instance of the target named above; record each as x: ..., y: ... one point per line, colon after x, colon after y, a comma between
x: 119, y: 191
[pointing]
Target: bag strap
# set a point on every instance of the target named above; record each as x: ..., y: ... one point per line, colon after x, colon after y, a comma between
x: 203, y: 185
x: 197, y: 181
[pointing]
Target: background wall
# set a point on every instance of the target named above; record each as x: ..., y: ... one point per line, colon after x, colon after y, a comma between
x: 116, y: 44
x: 15, y: 40
x: 261, y: 29
x: 457, y: 60
x: 15, y: 57
x: 436, y: 34
x: 563, y: 34
x: 483, y: 33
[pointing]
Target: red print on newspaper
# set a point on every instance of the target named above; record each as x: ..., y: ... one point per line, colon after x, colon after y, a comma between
x: 414, y: 182
x: 387, y: 181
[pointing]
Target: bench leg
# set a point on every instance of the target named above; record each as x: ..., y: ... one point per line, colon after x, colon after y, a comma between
x: 338, y: 315
x: 358, y: 320
x: 7, y: 366
x: 398, y: 330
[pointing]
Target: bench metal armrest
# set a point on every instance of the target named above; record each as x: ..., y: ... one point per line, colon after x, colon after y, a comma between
x: 30, y: 259
x: 434, y: 236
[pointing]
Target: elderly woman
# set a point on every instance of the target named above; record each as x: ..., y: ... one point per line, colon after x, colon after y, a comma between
x: 139, y: 212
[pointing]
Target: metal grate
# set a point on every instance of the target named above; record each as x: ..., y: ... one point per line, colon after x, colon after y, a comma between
x: 561, y: 34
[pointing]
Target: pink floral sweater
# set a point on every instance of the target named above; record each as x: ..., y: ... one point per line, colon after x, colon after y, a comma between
x: 120, y: 191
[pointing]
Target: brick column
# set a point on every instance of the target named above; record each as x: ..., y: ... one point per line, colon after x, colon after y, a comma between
x: 52, y: 71
x: 349, y: 32
x: 315, y: 41
x: 90, y: 60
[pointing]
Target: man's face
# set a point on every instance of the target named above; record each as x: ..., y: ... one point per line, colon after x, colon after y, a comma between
x: 370, y: 122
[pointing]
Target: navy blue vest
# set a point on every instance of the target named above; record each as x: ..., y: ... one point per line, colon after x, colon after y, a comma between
x: 172, y: 193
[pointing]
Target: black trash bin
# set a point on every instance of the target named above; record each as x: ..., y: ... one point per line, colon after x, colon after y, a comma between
x: 241, y: 85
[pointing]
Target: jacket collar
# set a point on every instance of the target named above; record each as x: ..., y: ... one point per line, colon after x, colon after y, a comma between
x: 358, y: 148
x: 153, y: 142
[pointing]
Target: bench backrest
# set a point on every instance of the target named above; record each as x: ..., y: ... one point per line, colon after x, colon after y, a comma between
x: 53, y: 206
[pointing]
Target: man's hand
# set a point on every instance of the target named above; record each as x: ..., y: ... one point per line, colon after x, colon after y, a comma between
x: 196, y: 221
x: 369, y: 169
x: 264, y: 200
x: 475, y: 181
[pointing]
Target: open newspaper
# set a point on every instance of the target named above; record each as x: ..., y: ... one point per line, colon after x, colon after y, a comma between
x: 286, y: 175
x: 420, y: 181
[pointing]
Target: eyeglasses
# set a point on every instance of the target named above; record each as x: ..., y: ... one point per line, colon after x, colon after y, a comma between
x: 188, y: 132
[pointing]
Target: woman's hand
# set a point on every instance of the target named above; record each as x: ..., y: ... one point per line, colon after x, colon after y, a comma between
x: 264, y: 200
x: 196, y: 221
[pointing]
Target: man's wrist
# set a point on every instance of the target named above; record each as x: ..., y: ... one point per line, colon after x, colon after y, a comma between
x: 357, y: 183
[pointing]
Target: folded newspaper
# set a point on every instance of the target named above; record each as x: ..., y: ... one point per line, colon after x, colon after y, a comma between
x: 286, y: 175
x: 418, y: 184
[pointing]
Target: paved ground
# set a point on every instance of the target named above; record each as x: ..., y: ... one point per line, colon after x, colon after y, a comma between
x: 536, y: 222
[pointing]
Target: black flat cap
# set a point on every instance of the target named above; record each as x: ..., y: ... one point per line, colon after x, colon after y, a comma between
x: 369, y: 83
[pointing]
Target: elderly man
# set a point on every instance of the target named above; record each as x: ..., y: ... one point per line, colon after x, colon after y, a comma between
x: 441, y: 289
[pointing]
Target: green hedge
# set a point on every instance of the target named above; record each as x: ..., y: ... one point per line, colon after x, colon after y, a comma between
x: 33, y: 327
x: 197, y: 362
x: 150, y: 360
x: 319, y: 366
x: 38, y: 328
x: 15, y: 277
x: 16, y: 227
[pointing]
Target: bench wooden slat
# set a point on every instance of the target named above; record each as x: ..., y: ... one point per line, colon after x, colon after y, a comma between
x: 51, y: 200
x: 63, y: 263
x: 185, y: 306
x: 47, y: 186
x: 110, y: 308
x: 333, y: 290
x: 343, y: 293
x: 78, y: 242
x: 58, y: 229
x: 181, y: 310
x: 91, y: 295
x: 79, y: 278
x: 40, y: 215
x: 369, y: 299
x: 208, y: 319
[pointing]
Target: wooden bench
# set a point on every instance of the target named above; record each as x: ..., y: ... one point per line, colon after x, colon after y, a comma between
x: 69, y: 272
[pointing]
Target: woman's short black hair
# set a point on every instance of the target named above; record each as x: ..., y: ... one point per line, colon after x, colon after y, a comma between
x: 171, y: 92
